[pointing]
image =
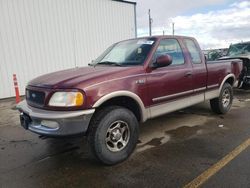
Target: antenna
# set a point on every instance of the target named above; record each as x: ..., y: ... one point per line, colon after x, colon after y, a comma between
x: 150, y: 20
x: 173, y: 28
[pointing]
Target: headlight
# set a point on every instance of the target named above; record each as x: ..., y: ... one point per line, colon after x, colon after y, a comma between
x: 66, y: 99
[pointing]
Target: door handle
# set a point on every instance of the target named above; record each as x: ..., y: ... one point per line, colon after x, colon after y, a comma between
x: 188, y: 74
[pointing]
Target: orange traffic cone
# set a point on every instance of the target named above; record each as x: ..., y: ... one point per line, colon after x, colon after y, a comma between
x: 16, y: 88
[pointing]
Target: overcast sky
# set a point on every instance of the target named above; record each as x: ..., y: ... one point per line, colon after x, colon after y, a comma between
x: 215, y: 23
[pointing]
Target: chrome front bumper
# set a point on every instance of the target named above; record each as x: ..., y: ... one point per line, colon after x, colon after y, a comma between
x: 54, y: 123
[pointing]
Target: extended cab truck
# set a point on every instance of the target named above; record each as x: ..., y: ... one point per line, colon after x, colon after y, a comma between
x: 131, y: 82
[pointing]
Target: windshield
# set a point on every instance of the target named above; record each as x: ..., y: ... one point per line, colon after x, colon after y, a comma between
x: 239, y: 49
x: 130, y: 52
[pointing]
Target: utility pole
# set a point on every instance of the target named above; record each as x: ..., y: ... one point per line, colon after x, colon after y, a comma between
x: 173, y: 27
x: 163, y: 32
x: 150, y: 20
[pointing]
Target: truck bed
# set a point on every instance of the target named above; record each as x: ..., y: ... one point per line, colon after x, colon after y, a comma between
x: 218, y: 69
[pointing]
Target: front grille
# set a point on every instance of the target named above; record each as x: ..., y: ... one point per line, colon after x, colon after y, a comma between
x: 35, y: 97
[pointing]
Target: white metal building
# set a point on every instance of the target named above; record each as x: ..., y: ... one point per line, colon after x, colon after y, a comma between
x: 41, y: 36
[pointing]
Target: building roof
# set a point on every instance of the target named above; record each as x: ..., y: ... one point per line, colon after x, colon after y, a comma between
x: 122, y: 1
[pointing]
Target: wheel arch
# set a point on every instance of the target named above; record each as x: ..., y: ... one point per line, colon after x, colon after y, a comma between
x: 230, y: 78
x: 136, y: 104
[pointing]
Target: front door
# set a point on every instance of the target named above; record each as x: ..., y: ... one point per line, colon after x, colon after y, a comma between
x: 172, y: 82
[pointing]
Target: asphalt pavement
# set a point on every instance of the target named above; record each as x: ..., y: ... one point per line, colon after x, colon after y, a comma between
x: 173, y: 151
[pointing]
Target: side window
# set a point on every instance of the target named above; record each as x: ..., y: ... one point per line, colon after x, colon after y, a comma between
x: 172, y: 48
x: 193, y: 50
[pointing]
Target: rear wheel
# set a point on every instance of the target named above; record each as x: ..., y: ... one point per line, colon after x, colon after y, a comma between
x: 223, y: 103
x: 113, y: 134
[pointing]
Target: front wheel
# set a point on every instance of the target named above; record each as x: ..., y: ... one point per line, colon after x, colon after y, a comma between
x: 113, y: 134
x: 223, y: 103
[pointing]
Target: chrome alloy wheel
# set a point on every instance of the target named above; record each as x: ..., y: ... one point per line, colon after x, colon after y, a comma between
x: 117, y: 136
x: 226, y: 98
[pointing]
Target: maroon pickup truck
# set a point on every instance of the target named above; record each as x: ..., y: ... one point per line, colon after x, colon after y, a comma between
x: 131, y: 82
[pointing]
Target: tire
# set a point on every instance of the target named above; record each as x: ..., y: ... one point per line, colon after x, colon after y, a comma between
x: 223, y: 103
x: 113, y: 134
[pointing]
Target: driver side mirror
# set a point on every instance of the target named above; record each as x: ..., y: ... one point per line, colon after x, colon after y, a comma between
x: 163, y: 61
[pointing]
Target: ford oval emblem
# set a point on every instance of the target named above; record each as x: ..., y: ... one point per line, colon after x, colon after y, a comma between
x: 33, y: 95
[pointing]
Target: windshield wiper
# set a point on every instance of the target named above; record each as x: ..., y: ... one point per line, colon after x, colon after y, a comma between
x: 108, y: 63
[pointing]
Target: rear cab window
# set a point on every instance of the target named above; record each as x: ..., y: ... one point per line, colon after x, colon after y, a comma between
x: 193, y: 51
x: 172, y: 48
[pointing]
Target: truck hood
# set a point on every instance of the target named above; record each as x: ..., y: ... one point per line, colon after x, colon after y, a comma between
x: 72, y: 78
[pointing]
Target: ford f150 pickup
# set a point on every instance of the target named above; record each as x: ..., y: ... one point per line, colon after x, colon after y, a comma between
x: 132, y: 81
